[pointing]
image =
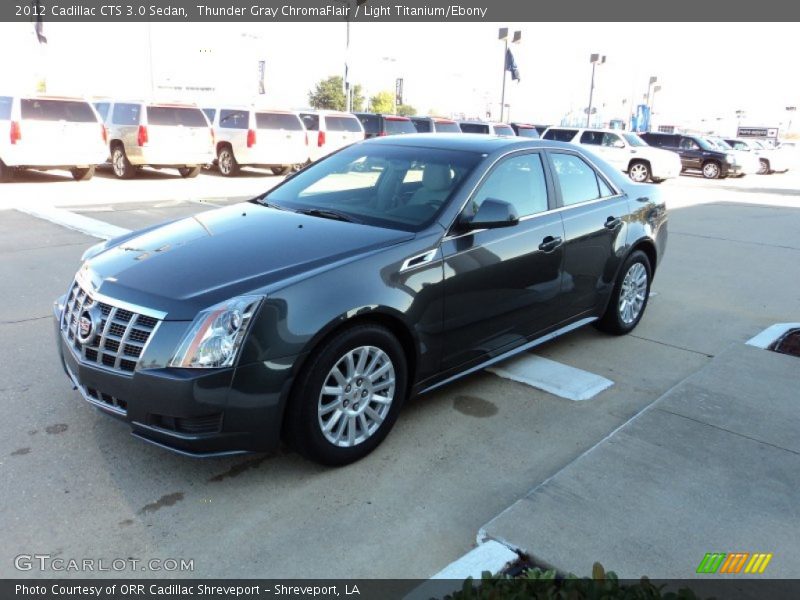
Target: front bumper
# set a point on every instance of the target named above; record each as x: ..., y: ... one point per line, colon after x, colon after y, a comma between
x: 194, y: 412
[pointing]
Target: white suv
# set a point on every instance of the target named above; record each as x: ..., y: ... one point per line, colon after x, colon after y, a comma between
x: 248, y: 136
x: 157, y: 135
x: 330, y: 131
x: 624, y: 150
x: 48, y: 132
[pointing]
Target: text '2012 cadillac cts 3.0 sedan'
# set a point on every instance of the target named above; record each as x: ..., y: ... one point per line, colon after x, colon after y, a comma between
x: 388, y: 269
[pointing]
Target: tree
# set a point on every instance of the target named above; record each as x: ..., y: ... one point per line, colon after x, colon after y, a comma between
x: 329, y: 94
x: 382, y: 102
x: 406, y: 110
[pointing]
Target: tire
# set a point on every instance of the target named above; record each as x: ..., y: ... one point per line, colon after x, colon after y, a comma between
x: 711, y: 170
x: 763, y: 166
x: 190, y: 172
x: 82, y: 174
x: 639, y: 171
x: 6, y: 173
x: 629, y: 296
x: 373, y: 349
x: 657, y: 180
x: 226, y: 162
x: 120, y: 164
x: 282, y: 170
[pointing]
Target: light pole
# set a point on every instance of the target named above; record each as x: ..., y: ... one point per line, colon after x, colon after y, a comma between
x: 595, y: 59
x: 653, y: 79
x: 503, y: 37
x: 790, y: 110
x: 656, y: 88
x: 739, y: 116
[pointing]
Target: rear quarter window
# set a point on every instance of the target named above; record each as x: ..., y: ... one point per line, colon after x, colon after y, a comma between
x: 57, y: 110
x: 126, y: 114
x: 172, y: 116
x: 337, y: 123
x: 267, y: 120
x: 5, y: 107
x: 560, y: 135
x: 234, y: 119
x: 474, y: 128
x: 310, y: 121
x: 422, y: 125
x: 370, y: 123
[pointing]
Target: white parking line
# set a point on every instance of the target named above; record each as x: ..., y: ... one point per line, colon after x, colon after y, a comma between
x: 551, y: 376
x: 76, y: 222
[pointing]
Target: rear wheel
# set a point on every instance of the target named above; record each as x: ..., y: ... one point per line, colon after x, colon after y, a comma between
x: 189, y: 172
x: 629, y: 297
x: 348, y: 396
x: 6, y: 173
x: 711, y: 170
x: 82, y: 174
x: 763, y: 166
x: 639, y: 171
x: 121, y: 165
x: 281, y: 170
x: 226, y: 162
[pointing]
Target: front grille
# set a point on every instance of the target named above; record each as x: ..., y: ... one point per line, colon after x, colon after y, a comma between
x: 121, y: 337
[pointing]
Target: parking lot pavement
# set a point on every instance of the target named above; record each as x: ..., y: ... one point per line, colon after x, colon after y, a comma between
x: 83, y: 487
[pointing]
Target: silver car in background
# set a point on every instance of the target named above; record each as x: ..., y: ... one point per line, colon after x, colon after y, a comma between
x: 49, y: 132
x: 247, y: 136
x: 329, y: 131
x: 159, y: 135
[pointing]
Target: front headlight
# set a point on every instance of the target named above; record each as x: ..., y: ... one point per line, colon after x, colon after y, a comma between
x: 731, y: 158
x: 216, y: 335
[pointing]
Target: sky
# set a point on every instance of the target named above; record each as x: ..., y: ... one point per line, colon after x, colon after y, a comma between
x: 707, y: 72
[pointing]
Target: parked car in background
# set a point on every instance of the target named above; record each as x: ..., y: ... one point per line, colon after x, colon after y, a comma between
x: 49, y: 132
x: 697, y: 154
x: 770, y: 160
x: 625, y: 150
x: 435, y: 125
x: 379, y: 125
x: 525, y: 130
x: 159, y: 135
x: 253, y: 137
x: 329, y: 131
x: 750, y: 165
x: 343, y: 293
x: 487, y: 128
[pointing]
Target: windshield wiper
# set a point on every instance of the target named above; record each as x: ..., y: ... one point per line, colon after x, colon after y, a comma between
x: 327, y: 213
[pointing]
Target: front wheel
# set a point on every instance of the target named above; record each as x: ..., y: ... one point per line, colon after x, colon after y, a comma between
x: 639, y: 172
x: 711, y: 170
x: 189, y: 172
x: 629, y: 297
x: 281, y: 170
x: 82, y: 174
x: 348, y: 396
x: 763, y: 166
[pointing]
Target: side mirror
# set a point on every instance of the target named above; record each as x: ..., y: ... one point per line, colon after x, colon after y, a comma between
x: 491, y: 215
x: 619, y: 144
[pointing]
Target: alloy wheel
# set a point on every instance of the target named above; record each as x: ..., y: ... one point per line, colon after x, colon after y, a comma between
x: 356, y: 396
x: 711, y: 170
x: 638, y: 173
x: 633, y: 293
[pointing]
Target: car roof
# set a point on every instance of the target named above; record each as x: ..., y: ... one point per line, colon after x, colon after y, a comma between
x: 471, y: 142
x: 332, y: 113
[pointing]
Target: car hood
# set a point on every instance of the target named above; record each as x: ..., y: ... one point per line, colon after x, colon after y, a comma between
x: 193, y: 263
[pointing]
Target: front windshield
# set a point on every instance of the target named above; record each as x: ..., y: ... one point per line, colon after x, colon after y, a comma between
x: 634, y: 140
x: 398, y: 187
x: 706, y: 144
x: 720, y: 143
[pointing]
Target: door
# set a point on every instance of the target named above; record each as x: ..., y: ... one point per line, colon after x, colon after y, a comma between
x: 502, y: 285
x: 691, y: 153
x: 595, y: 226
x: 608, y: 146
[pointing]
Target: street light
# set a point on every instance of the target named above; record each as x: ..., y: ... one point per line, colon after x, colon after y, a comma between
x: 595, y: 59
x: 656, y: 88
x: 653, y: 79
x: 503, y: 37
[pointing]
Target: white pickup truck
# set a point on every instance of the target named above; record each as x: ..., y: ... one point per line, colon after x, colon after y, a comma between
x: 48, y: 132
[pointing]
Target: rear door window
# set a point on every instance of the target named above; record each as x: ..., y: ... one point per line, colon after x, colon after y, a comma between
x: 5, y: 107
x: 126, y: 114
x: 311, y: 121
x: 172, y: 116
x: 57, y: 110
x: 577, y: 180
x: 268, y: 120
x: 591, y: 138
x: 399, y: 126
x: 338, y: 123
x: 234, y: 119
x: 560, y: 135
